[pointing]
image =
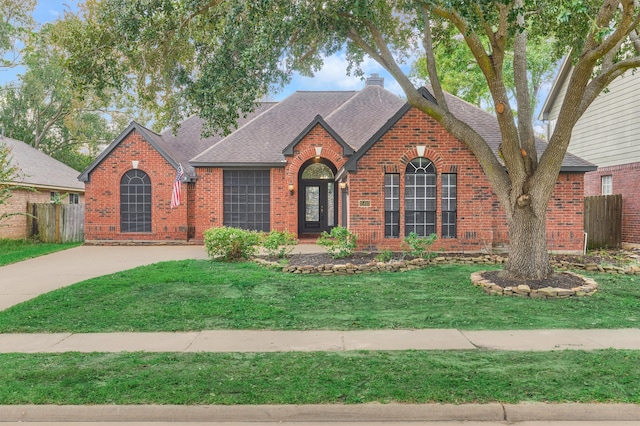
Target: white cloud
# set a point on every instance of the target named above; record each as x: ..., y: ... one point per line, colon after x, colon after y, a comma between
x: 333, y: 76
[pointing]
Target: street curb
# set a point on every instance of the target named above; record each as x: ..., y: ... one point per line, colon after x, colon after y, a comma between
x: 321, y: 413
x: 533, y: 412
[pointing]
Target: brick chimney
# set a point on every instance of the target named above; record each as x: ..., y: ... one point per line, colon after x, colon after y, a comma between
x: 375, y: 80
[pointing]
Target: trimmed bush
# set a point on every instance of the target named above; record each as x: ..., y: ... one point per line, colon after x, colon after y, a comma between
x: 339, y: 243
x: 279, y: 244
x: 230, y: 244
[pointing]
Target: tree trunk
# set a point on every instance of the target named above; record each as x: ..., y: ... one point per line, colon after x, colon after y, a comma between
x: 528, y: 256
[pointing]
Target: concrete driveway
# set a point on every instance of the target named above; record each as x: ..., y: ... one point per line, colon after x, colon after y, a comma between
x: 27, y: 279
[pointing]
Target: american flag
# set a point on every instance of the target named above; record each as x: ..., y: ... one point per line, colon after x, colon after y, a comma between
x: 177, y: 186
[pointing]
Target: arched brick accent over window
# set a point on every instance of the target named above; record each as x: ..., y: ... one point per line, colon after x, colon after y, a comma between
x: 135, y: 202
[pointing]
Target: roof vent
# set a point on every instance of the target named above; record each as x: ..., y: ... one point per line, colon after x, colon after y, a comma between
x: 375, y: 80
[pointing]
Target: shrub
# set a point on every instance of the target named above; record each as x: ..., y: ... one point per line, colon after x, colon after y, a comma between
x: 419, y: 246
x: 339, y: 243
x: 279, y: 244
x: 384, y: 256
x: 230, y: 244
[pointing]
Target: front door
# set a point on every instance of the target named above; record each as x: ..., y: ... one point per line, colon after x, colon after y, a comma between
x: 317, y: 212
x: 316, y: 198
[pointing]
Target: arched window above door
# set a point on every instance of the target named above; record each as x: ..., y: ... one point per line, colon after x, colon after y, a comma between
x: 318, y: 171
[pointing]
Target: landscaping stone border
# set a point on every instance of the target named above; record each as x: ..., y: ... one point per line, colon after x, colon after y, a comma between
x: 587, y: 289
x: 407, y: 265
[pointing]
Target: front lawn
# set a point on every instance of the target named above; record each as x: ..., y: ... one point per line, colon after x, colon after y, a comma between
x: 202, y: 295
x: 12, y: 251
x: 320, y: 378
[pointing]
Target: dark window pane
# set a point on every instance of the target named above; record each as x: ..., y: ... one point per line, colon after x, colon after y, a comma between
x: 135, y: 202
x: 246, y: 199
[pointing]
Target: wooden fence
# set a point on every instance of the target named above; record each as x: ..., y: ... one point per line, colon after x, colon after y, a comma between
x: 57, y: 223
x: 603, y: 221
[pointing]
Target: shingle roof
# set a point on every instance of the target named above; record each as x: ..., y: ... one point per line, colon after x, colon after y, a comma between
x: 262, y: 140
x: 481, y: 121
x: 38, y: 169
x: 487, y: 126
x: 188, y: 142
x: 357, y: 119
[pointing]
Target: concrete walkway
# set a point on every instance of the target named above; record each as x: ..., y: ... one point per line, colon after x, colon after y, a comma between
x: 327, y: 341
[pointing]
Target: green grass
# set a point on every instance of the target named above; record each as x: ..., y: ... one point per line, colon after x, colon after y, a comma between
x: 320, y: 378
x: 201, y: 295
x: 12, y: 251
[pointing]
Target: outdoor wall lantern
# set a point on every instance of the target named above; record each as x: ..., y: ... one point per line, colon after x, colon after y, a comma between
x: 344, y: 187
x: 290, y: 188
x: 134, y: 163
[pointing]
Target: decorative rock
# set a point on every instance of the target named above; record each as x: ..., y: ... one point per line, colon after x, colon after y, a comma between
x: 548, y: 291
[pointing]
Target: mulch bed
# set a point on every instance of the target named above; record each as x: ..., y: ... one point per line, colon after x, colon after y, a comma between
x: 556, y: 280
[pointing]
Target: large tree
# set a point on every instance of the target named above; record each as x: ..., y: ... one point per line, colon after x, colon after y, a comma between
x: 15, y: 24
x: 42, y: 108
x: 216, y: 57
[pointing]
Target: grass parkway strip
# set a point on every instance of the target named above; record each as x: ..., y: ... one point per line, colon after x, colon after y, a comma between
x: 321, y: 378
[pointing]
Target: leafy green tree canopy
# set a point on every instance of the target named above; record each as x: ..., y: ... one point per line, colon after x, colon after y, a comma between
x: 216, y: 57
x: 15, y: 24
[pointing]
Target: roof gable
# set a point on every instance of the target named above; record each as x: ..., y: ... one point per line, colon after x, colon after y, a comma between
x: 484, y: 123
x: 154, y: 139
x: 261, y: 141
x: 556, y: 88
x: 318, y: 120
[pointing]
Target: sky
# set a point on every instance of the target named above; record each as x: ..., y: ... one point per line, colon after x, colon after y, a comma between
x: 332, y: 76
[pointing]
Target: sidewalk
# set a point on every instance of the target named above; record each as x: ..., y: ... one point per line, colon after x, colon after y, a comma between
x: 327, y: 341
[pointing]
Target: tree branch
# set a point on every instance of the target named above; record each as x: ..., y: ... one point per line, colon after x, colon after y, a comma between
x: 523, y: 100
x: 427, y: 43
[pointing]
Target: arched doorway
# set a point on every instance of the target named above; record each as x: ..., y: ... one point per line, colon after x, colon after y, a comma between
x: 317, y: 197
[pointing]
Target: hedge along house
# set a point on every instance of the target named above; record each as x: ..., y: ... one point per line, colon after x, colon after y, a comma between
x: 362, y: 159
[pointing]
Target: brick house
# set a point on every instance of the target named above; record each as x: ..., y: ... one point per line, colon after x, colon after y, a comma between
x: 361, y: 159
x: 607, y: 135
x: 47, y: 179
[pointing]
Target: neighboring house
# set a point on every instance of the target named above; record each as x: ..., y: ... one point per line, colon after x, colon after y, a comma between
x: 48, y: 180
x: 608, y: 135
x: 362, y: 159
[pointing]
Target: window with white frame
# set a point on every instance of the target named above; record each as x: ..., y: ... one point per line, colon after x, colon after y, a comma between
x: 392, y: 205
x: 607, y: 185
x: 420, y: 197
x: 449, y: 204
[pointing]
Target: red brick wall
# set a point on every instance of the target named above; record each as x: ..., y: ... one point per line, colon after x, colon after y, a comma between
x: 102, y: 194
x: 287, y: 211
x: 480, y: 219
x: 626, y: 181
x: 565, y: 214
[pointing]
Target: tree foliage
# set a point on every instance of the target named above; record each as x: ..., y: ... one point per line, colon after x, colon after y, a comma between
x: 46, y: 111
x: 216, y: 57
x: 463, y: 78
x: 15, y: 24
